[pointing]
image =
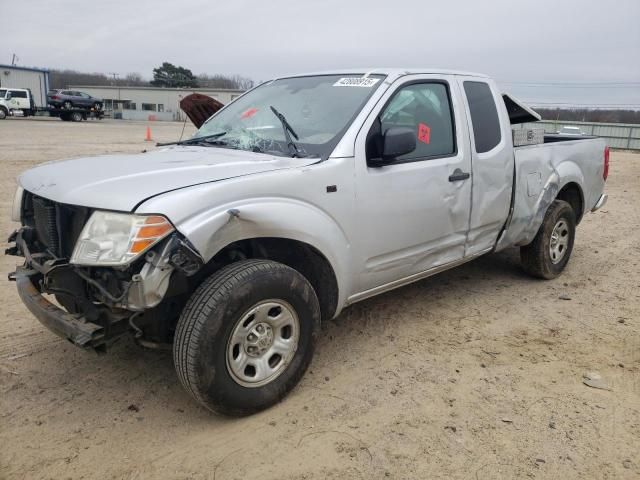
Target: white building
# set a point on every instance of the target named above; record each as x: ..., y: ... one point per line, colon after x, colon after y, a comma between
x: 35, y: 79
x: 141, y: 103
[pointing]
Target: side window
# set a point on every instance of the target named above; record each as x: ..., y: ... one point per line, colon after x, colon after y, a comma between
x: 18, y: 94
x: 425, y: 108
x: 484, y: 116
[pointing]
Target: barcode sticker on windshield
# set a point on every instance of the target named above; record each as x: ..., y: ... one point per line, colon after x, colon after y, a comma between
x: 356, y: 82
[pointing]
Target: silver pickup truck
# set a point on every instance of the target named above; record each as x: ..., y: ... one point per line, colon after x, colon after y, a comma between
x: 303, y: 196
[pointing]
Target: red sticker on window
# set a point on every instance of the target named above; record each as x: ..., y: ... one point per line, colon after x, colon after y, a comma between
x: 424, y: 133
x: 249, y: 113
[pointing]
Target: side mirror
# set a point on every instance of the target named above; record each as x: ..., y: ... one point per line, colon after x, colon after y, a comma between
x: 8, y: 96
x: 397, y: 141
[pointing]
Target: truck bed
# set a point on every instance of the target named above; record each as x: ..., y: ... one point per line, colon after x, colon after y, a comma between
x: 541, y: 171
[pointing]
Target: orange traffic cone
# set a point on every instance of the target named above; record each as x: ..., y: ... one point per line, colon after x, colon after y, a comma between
x: 147, y: 138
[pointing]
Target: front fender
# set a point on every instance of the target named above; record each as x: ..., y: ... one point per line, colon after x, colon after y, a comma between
x: 212, y: 230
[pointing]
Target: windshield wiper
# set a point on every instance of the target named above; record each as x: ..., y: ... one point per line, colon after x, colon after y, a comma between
x: 195, y: 140
x: 288, y: 131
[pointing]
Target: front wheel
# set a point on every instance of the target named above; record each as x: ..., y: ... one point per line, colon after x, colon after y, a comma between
x: 548, y: 254
x: 246, y: 336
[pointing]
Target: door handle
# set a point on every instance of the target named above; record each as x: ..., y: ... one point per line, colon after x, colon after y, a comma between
x: 458, y: 175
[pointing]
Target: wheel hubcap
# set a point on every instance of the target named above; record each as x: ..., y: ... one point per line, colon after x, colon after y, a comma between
x: 559, y: 241
x: 259, y: 340
x: 263, y: 343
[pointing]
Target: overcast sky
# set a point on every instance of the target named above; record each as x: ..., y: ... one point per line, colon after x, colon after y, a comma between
x: 580, y: 43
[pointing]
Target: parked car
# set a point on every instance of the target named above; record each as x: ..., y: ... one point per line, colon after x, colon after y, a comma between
x: 303, y: 196
x: 570, y: 130
x: 16, y: 100
x: 69, y: 99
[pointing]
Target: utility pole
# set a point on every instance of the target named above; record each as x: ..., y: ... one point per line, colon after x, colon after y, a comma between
x: 115, y: 77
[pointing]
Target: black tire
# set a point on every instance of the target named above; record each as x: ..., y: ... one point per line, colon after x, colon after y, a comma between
x: 65, y: 117
x: 67, y: 105
x: 3, y: 113
x: 202, y: 339
x: 97, y: 106
x: 536, y: 258
x: 76, y: 117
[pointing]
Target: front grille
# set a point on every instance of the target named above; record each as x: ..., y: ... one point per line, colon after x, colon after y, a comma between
x: 57, y: 225
x: 44, y: 217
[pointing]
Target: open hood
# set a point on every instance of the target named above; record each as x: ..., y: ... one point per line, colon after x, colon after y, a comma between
x: 518, y: 111
x: 199, y: 107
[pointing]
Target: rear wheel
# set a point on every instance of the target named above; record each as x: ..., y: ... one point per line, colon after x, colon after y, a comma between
x: 67, y: 105
x: 246, y: 336
x: 549, y: 252
x: 3, y: 113
x: 76, y: 117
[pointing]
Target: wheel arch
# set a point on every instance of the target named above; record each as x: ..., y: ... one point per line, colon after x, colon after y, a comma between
x: 300, y: 256
x: 573, y: 195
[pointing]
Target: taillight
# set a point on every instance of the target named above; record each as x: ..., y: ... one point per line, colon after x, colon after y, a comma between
x: 55, y: 97
x: 605, y: 172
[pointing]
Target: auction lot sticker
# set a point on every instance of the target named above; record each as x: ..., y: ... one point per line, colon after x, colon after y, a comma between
x: 356, y: 82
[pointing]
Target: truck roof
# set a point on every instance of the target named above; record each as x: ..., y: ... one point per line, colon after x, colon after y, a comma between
x: 391, y: 72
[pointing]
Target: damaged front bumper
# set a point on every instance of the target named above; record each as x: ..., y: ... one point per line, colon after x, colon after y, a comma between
x: 74, y: 328
x: 99, y: 304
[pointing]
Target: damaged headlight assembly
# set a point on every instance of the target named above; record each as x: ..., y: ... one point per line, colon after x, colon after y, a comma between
x: 111, y: 238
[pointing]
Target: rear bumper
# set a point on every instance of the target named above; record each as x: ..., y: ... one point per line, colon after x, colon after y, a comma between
x: 601, y: 202
x: 72, y: 327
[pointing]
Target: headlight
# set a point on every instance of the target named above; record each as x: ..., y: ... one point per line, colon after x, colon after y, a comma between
x: 16, y: 210
x: 111, y: 238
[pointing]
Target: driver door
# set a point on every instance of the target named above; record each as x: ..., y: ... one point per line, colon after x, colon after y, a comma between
x: 412, y: 213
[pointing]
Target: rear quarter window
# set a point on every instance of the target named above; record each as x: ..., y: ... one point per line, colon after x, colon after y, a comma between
x: 484, y: 116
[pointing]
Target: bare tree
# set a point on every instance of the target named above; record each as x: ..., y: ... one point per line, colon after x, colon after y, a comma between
x: 134, y: 79
x: 64, y: 78
x: 235, y: 82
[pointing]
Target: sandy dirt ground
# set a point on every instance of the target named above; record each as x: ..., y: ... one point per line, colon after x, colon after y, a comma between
x: 474, y: 374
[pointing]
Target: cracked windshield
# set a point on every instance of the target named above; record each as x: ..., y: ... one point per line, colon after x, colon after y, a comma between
x: 297, y: 117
